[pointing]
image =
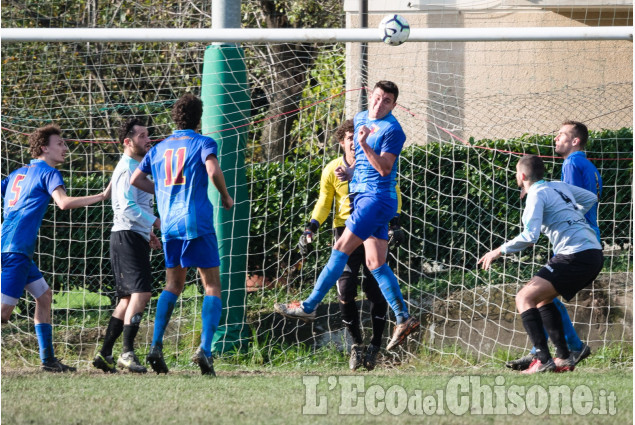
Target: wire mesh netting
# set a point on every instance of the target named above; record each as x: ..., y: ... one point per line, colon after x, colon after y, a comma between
x: 470, y: 110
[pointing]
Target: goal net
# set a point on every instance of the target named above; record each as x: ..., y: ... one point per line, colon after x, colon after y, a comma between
x: 469, y: 110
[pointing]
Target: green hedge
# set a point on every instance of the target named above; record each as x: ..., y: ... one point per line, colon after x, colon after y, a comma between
x: 458, y: 202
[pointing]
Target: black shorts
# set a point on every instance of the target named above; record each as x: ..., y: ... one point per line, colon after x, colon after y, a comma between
x: 569, y: 274
x: 130, y: 259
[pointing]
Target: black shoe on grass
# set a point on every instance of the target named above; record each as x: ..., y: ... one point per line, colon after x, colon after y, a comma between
x: 56, y: 366
x: 156, y: 361
x: 205, y: 363
x: 105, y: 363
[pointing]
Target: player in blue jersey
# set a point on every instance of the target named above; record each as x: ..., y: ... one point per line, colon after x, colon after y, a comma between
x: 576, y: 168
x: 26, y: 193
x: 131, y: 239
x: 182, y: 166
x: 578, y: 171
x: 379, y: 140
x: 556, y: 209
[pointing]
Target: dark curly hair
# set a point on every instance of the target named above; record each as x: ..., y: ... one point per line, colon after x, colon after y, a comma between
x: 40, y: 137
x: 340, y: 133
x: 127, y: 128
x: 187, y: 112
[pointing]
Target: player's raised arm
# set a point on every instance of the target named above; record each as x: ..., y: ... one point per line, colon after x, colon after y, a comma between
x: 216, y: 174
x: 139, y: 180
x: 383, y: 162
x: 65, y: 202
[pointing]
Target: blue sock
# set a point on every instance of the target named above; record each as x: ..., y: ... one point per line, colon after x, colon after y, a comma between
x: 328, y: 277
x: 212, y: 308
x: 165, y: 306
x: 44, y: 333
x: 570, y: 335
x: 389, y: 286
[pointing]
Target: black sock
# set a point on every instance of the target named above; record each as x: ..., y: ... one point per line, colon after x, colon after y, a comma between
x: 115, y: 327
x: 350, y: 317
x: 552, y: 321
x: 533, y: 325
x: 378, y: 318
x: 129, y: 334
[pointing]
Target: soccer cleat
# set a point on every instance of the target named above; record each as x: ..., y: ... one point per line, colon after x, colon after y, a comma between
x: 294, y: 310
x: 355, y: 361
x: 578, y: 356
x: 536, y: 366
x: 565, y: 365
x: 54, y: 365
x: 156, y: 361
x: 402, y: 331
x: 205, y: 363
x: 370, y: 359
x: 105, y: 363
x: 521, y: 363
x: 130, y: 361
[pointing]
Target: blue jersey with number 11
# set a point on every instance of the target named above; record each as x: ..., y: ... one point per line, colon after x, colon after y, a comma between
x: 177, y: 165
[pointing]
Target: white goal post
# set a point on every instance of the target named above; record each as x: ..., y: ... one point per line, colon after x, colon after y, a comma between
x: 312, y: 35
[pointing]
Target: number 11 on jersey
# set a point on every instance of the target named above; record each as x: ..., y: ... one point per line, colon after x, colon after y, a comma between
x: 171, y: 177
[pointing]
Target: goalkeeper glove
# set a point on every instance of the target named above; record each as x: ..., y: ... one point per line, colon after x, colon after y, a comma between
x: 396, y: 235
x: 304, y: 244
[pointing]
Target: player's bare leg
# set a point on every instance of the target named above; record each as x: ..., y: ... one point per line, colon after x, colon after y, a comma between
x: 7, y: 309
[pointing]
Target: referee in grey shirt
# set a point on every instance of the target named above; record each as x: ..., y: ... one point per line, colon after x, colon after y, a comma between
x: 130, y: 242
x: 556, y: 209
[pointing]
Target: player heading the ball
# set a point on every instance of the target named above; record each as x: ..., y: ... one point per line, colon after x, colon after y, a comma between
x: 379, y: 140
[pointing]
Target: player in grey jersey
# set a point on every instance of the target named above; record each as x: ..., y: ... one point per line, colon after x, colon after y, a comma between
x: 130, y: 241
x: 556, y: 209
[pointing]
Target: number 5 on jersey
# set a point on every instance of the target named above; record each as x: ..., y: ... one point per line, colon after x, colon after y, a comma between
x: 15, y: 188
x: 174, y: 172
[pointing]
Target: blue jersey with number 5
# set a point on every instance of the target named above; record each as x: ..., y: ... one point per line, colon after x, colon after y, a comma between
x: 177, y: 165
x: 26, y: 194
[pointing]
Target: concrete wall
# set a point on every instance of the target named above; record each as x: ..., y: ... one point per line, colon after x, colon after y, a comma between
x: 502, y: 89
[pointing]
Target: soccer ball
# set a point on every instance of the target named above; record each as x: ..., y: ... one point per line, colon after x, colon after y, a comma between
x: 394, y: 30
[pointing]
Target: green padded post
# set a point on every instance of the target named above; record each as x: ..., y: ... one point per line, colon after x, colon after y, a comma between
x: 226, y: 105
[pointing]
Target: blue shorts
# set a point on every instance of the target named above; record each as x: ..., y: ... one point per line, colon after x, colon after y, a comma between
x: 200, y: 252
x: 18, y: 270
x: 370, y: 216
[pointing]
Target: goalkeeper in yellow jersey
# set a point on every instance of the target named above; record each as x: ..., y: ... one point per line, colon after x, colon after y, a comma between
x: 334, y: 190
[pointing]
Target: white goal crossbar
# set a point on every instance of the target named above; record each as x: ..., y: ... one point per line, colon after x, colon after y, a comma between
x: 239, y: 35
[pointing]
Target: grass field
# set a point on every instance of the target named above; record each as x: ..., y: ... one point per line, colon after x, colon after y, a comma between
x: 297, y: 385
x: 406, y: 394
